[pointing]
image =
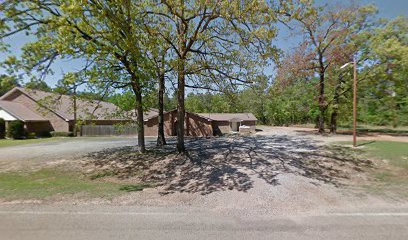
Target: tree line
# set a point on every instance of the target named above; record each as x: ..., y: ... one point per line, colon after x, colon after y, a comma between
x: 218, y: 48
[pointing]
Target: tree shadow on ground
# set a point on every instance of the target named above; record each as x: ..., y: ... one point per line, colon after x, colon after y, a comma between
x: 231, y: 163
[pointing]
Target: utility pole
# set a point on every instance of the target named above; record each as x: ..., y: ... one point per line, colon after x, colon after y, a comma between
x: 355, y: 103
x: 354, y: 62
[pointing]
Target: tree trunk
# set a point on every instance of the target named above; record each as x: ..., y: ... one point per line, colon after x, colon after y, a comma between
x: 75, y: 130
x: 322, y: 103
x: 182, y: 46
x: 139, y: 111
x: 336, y: 101
x: 161, y: 140
x: 180, y: 107
x: 333, y: 122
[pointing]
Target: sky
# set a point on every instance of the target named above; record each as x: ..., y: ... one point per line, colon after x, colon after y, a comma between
x: 387, y: 9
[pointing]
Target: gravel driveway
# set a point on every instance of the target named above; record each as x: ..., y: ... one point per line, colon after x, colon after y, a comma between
x: 58, y: 151
x: 280, y: 171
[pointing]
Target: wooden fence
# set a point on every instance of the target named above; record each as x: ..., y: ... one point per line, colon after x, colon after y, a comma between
x: 108, y: 130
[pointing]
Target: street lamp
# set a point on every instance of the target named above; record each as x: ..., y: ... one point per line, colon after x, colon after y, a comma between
x: 354, y: 62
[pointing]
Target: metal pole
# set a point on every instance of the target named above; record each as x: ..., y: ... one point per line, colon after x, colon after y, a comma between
x: 355, y: 104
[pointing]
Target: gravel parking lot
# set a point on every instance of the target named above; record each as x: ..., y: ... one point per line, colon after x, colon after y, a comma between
x: 279, y: 171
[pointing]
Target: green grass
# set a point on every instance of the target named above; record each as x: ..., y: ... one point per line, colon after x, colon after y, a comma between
x: 392, y: 179
x: 12, y: 142
x: 54, y: 183
x: 403, y: 130
x: 396, y: 153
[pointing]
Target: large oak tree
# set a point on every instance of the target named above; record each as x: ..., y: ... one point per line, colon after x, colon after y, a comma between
x: 107, y: 33
x: 217, y: 43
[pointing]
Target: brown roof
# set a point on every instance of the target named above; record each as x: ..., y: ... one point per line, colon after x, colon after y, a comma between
x: 229, y: 116
x: 62, y: 105
x: 214, y: 116
x: 20, y: 111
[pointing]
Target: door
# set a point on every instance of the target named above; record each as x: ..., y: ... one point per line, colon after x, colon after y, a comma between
x: 235, y: 126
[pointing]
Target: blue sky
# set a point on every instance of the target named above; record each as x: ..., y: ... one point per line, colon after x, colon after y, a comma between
x: 387, y: 9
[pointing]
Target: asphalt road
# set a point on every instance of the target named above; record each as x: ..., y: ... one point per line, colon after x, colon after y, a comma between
x: 66, y: 147
x: 108, y: 222
x: 38, y: 154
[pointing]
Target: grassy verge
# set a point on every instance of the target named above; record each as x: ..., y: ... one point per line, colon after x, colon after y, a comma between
x: 377, y: 129
x: 12, y: 142
x: 401, y: 130
x: 57, y: 183
x: 392, y: 171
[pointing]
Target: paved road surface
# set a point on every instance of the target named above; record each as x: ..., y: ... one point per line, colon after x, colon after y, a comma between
x: 66, y: 147
x: 16, y: 157
x: 108, y: 222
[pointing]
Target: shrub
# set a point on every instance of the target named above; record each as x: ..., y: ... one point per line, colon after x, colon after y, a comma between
x: 45, y: 134
x: 31, y: 135
x: 62, y: 134
x: 16, y: 129
x: 2, y: 128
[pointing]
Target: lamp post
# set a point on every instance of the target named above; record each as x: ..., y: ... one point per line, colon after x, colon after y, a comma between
x: 354, y: 62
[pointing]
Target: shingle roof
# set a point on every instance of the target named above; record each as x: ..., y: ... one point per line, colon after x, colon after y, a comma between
x: 229, y: 116
x: 20, y: 111
x: 62, y: 105
x: 151, y: 113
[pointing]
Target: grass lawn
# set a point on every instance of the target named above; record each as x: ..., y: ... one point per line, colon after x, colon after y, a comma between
x: 57, y: 183
x: 396, y: 153
x: 377, y: 129
x: 394, y: 177
x: 12, y: 142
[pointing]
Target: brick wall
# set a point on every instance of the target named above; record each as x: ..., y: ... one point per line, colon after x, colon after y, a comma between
x: 221, y: 127
x: 194, y: 125
x: 197, y: 126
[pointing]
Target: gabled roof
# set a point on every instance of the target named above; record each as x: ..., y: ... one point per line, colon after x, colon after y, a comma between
x: 151, y: 113
x: 20, y: 111
x: 62, y: 105
x: 229, y: 116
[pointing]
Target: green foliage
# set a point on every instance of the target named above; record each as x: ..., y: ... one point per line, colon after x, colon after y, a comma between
x: 125, y: 100
x: 295, y: 104
x: 61, y: 134
x: 44, y: 134
x: 208, y: 103
x: 2, y: 128
x: 38, y: 85
x: 217, y: 45
x: 7, y: 83
x: 16, y: 129
x: 384, y: 95
x: 31, y: 135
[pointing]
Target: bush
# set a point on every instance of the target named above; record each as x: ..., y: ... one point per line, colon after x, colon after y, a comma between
x: 45, y: 134
x: 2, y: 128
x: 31, y: 135
x: 16, y: 129
x: 62, y: 134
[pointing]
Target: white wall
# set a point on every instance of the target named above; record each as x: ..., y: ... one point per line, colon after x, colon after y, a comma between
x: 6, y: 116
